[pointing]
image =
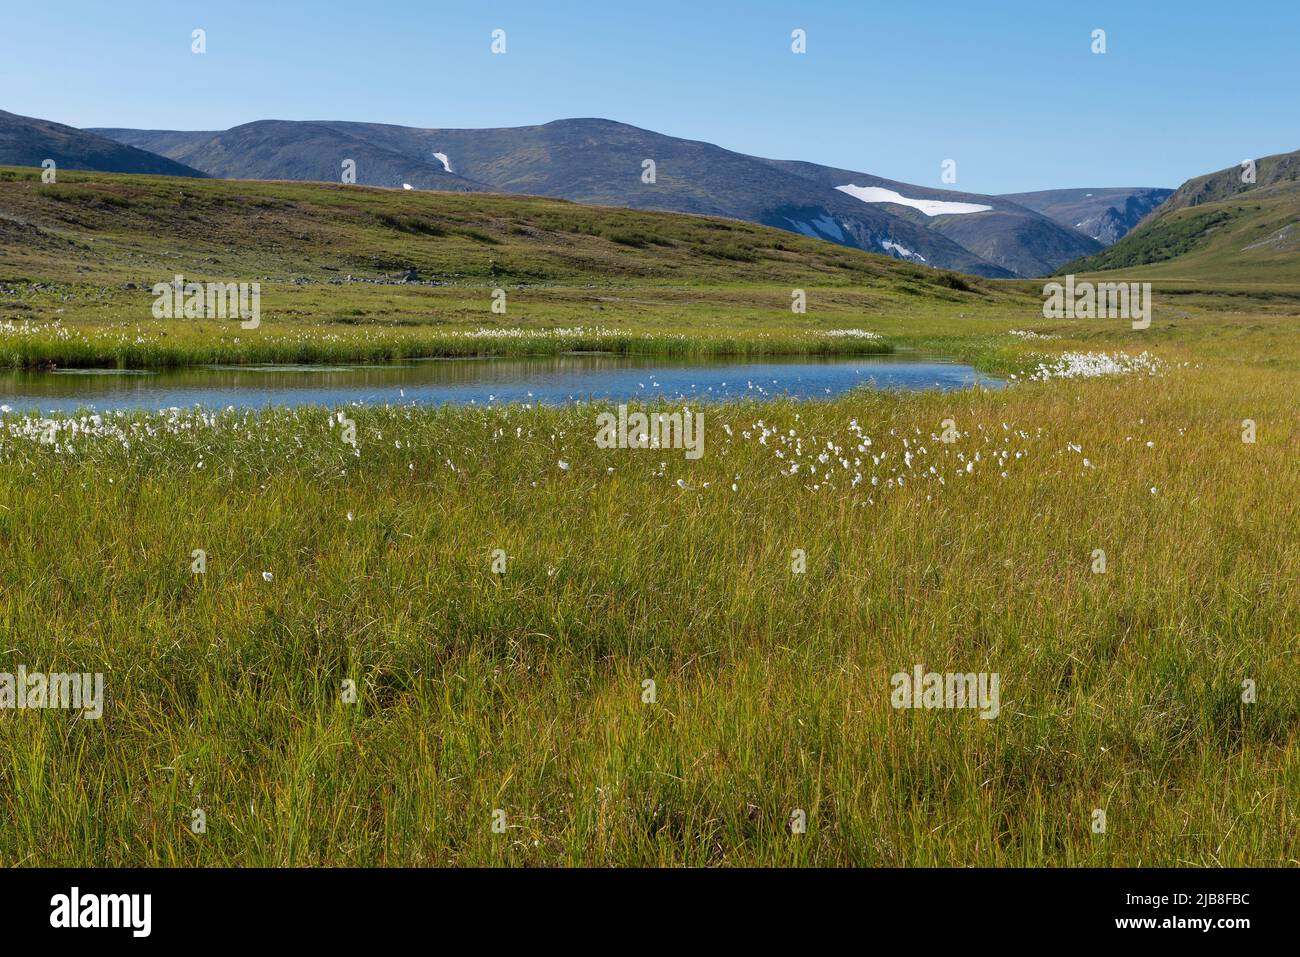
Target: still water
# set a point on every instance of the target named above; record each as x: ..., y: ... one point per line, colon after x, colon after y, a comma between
x: 541, y: 379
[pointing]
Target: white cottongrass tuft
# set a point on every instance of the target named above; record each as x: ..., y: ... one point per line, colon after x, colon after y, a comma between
x: 850, y: 334
x: 1093, y: 365
x: 1026, y: 334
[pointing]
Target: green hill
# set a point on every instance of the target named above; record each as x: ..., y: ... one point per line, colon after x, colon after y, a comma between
x: 1217, y: 230
x: 103, y: 224
x: 359, y: 273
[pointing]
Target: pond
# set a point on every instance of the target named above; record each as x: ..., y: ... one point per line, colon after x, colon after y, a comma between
x: 554, y: 379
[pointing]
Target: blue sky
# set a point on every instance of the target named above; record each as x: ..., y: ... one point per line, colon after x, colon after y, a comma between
x: 1009, y: 90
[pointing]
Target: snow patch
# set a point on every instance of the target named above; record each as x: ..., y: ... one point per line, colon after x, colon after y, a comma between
x: 442, y: 158
x: 931, y: 207
x: 902, y: 250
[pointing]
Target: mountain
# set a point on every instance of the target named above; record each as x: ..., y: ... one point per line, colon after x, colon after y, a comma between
x: 1217, y: 228
x: 277, y: 149
x: 601, y: 162
x: 1272, y: 173
x: 997, y: 230
x: 123, y: 232
x: 1106, y: 214
x: 25, y: 141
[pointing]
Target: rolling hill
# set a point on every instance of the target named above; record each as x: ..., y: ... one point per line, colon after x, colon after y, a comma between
x: 274, y: 149
x: 113, y: 228
x: 599, y: 161
x: 25, y: 141
x: 356, y: 273
x: 1217, y: 229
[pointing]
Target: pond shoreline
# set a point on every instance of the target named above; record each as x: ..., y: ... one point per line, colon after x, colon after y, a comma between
x: 562, y: 378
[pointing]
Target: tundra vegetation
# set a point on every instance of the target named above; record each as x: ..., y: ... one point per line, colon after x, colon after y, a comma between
x: 476, y: 637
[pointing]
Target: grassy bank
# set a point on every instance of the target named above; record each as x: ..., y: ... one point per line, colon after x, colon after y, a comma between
x: 769, y: 589
x: 523, y: 692
x: 359, y: 274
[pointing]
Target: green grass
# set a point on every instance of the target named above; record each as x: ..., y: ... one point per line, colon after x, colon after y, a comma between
x: 523, y: 692
x: 1164, y: 239
x: 76, y: 275
x: 1237, y: 237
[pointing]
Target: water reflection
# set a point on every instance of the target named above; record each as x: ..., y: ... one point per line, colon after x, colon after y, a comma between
x: 540, y: 379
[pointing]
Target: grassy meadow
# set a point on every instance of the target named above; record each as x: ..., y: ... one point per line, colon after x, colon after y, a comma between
x: 525, y: 692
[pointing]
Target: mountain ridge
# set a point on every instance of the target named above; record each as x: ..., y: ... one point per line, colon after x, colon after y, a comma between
x: 1106, y: 214
x: 29, y: 141
x: 1216, y: 228
x: 599, y: 161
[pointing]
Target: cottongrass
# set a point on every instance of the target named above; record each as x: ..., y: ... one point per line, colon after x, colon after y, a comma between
x: 1031, y: 336
x: 849, y: 334
x: 1094, y: 365
x: 477, y: 691
x: 516, y: 332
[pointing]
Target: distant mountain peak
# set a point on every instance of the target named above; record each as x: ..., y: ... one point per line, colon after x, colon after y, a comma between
x: 28, y: 141
x: 602, y: 161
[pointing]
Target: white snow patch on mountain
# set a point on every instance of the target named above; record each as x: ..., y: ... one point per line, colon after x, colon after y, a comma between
x: 931, y: 207
x: 902, y: 250
x: 442, y: 158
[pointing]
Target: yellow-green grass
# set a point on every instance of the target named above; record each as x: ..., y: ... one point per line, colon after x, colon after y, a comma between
x: 79, y: 259
x: 1119, y: 691
x: 524, y: 692
x: 1249, y: 241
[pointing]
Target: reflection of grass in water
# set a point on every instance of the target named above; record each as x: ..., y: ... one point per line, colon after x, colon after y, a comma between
x: 290, y: 369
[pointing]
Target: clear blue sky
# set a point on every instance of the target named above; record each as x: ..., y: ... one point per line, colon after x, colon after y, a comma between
x: 1008, y: 89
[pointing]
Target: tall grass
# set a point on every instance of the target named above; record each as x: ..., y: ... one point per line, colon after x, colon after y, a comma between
x: 99, y: 347
x: 524, y: 692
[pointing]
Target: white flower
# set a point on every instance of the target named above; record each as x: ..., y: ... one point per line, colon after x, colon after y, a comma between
x: 266, y: 576
x: 1091, y: 365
